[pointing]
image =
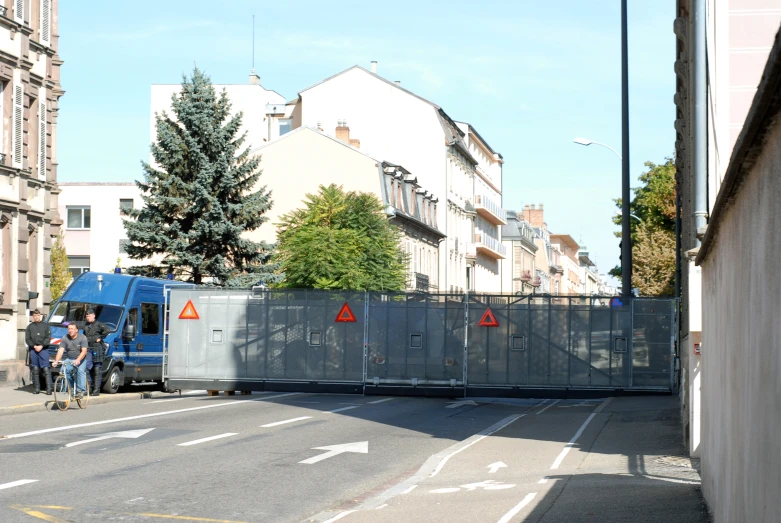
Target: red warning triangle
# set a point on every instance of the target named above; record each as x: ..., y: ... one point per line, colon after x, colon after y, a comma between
x: 488, y: 319
x: 345, y: 315
x: 189, y: 312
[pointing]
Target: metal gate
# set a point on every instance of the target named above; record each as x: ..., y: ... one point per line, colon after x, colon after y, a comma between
x: 456, y: 344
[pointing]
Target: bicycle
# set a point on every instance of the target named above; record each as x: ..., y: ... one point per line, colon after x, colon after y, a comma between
x: 65, y: 392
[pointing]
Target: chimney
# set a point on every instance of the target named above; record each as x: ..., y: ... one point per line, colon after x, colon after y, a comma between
x: 398, y: 82
x: 374, y: 66
x: 319, y: 127
x: 254, y: 79
x: 533, y: 215
x: 343, y: 134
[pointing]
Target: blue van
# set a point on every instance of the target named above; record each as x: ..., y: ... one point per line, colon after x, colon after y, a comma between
x: 133, y: 308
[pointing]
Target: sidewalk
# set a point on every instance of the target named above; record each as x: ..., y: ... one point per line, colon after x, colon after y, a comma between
x: 18, y: 400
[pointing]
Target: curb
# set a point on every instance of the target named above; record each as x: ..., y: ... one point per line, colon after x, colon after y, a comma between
x: 103, y: 398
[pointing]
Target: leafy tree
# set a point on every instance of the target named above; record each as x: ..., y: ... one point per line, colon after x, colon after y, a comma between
x: 652, y: 230
x: 61, y: 274
x: 340, y: 240
x: 203, y: 196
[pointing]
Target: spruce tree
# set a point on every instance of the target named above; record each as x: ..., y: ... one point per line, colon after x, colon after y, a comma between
x: 61, y: 275
x: 201, y: 196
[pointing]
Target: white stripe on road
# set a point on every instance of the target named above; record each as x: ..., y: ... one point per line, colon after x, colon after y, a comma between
x: 194, y: 392
x: 569, y: 445
x: 342, y: 409
x: 549, y: 406
x: 543, y: 481
x: 164, y: 401
x: 517, y: 508
x: 413, y: 487
x: 482, y: 435
x: 142, y: 416
x: 286, y: 421
x: 339, y: 516
x: 380, y: 401
x: 204, y: 440
x: 17, y: 483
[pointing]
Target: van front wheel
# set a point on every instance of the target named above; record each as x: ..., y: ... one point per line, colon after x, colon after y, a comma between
x: 113, y: 381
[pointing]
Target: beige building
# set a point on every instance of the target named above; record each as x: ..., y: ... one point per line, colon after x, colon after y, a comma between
x: 519, y: 270
x: 570, y: 278
x: 29, y: 97
x: 728, y: 158
x: 548, y: 261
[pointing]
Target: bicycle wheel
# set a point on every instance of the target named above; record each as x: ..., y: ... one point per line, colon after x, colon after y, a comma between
x: 62, y: 392
x: 84, y: 400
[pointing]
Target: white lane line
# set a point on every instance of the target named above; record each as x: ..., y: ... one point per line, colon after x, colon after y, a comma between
x: 17, y: 483
x: 413, y: 487
x: 569, y: 445
x: 517, y: 508
x: 195, y: 392
x: 204, y: 440
x: 543, y: 481
x: 285, y: 422
x: 342, y: 409
x: 380, y: 401
x: 603, y: 405
x: 482, y: 435
x: 339, y: 516
x: 381, y: 506
x: 549, y: 406
x: 164, y: 401
x: 152, y: 415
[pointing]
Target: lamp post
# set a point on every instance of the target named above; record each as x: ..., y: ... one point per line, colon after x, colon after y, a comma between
x: 587, y: 142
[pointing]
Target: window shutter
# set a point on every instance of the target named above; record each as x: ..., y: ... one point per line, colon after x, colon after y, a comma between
x: 19, y: 11
x: 46, y: 7
x: 42, y: 139
x: 17, y: 119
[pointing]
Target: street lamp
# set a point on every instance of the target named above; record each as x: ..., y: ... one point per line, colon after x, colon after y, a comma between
x: 587, y: 142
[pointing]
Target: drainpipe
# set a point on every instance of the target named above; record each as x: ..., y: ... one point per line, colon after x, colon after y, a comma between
x: 700, y: 163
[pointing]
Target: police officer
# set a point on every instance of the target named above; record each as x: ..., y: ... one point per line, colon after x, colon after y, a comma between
x: 96, y: 333
x: 37, y: 336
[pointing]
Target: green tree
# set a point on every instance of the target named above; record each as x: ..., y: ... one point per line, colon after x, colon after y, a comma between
x: 340, y: 240
x: 652, y: 230
x: 61, y: 274
x: 203, y: 197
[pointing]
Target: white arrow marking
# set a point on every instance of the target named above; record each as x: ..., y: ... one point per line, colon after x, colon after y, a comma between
x: 493, y: 467
x: 456, y: 404
x: 360, y: 447
x: 128, y: 434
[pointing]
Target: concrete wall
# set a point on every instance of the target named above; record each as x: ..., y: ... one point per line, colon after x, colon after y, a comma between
x: 741, y: 360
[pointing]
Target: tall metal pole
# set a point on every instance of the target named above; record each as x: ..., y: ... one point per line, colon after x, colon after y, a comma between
x: 626, y: 240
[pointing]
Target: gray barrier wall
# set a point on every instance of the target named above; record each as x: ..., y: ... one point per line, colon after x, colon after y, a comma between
x: 415, y: 339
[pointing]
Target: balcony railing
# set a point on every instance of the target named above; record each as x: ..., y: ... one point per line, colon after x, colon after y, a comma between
x: 490, y: 210
x: 490, y: 246
x: 526, y: 275
x: 421, y: 282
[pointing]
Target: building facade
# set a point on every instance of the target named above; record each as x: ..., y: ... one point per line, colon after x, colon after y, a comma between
x: 728, y: 69
x: 29, y: 96
x: 549, y: 258
x: 519, y: 269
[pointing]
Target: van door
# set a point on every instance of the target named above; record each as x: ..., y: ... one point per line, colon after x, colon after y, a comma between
x: 149, y: 345
x: 124, y: 348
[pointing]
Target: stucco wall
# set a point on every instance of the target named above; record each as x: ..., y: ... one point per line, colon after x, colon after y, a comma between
x: 741, y: 354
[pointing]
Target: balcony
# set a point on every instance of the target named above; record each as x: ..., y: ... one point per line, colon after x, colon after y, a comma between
x: 490, y: 247
x: 489, y: 210
x: 422, y: 282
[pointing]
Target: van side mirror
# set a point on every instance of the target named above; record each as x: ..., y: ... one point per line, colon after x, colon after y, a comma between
x: 129, y: 332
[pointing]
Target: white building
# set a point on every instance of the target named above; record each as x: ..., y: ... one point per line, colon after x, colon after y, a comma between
x: 394, y: 124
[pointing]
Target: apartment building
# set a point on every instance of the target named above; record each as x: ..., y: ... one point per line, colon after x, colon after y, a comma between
x: 589, y: 276
x: 548, y: 261
x: 29, y: 98
x: 728, y: 152
x: 448, y: 158
x: 569, y: 262
x: 519, y: 269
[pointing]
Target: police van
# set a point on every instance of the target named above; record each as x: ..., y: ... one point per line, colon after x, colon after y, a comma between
x: 133, y: 309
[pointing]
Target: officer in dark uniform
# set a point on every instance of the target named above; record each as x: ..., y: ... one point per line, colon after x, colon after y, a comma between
x: 96, y: 333
x: 37, y: 336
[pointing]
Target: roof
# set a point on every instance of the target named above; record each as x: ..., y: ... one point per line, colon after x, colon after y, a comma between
x: 321, y: 133
x: 762, y: 117
x: 566, y: 239
x: 453, y: 134
x: 482, y: 140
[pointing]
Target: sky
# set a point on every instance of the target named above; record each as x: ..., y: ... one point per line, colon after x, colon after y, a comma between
x: 529, y: 75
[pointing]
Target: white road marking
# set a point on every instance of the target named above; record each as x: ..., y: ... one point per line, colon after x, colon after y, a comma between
x: 339, y: 516
x: 571, y: 443
x: 285, y: 422
x: 549, y: 406
x: 381, y: 506
x: 17, y: 483
x: 517, y: 508
x: 543, y: 481
x: 446, y: 490
x: 342, y: 409
x: 359, y: 447
x: 380, y: 401
x: 410, y: 489
x: 493, y: 467
x: 204, y: 440
x: 127, y: 434
x: 463, y: 403
x: 482, y: 435
x: 164, y: 401
x: 152, y: 415
x: 195, y: 392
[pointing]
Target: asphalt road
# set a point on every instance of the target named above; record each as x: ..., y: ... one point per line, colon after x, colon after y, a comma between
x: 312, y: 457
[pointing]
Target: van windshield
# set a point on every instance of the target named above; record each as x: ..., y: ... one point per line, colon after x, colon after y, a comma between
x: 76, y: 312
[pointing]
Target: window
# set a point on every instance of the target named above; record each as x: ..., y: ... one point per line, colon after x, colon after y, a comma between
x: 79, y: 218
x: 132, y: 318
x: 125, y: 204
x: 78, y: 264
x: 150, y: 318
x: 285, y: 126
x: 19, y: 11
x: 45, y: 19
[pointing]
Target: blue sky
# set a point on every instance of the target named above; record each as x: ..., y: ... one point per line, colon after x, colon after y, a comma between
x: 529, y: 75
